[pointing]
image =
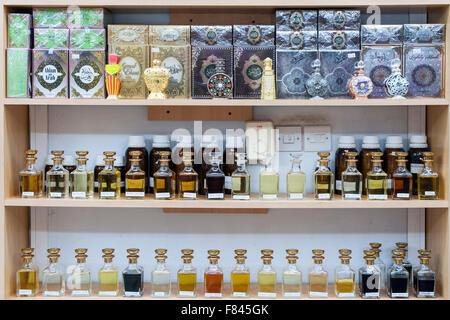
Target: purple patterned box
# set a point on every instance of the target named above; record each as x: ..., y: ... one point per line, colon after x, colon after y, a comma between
x: 50, y: 73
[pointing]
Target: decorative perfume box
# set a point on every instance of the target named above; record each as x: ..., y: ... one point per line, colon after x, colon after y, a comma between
x: 134, y: 61
x: 253, y: 35
x: 296, y: 40
x: 339, y: 19
x: 170, y: 35
x: 87, y: 74
x: 90, y: 39
x: 18, y: 73
x: 46, y: 38
x: 339, y: 40
x: 50, y: 73
x: 127, y: 34
x: 381, y: 34
x: 211, y: 35
x: 204, y: 66
x: 49, y: 18
x: 337, y: 67
x: 424, y: 33
x: 86, y: 17
x: 248, y: 69
x: 19, y: 30
x: 295, y: 20
x: 293, y: 69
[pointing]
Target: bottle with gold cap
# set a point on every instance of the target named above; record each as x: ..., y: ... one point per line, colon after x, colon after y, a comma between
x: 109, y: 178
x: 165, y: 179
x: 369, y: 277
x: 403, y: 247
x: 318, y: 276
x: 401, y: 179
x: 375, y: 246
x: 27, y: 277
x: 81, y: 179
x: 240, y: 276
x: 351, y: 178
x: 240, y: 179
x: 344, y: 276
x: 376, y: 179
x: 53, y: 284
x: 424, y: 277
x: 292, y: 276
x: 215, y: 179
x: 323, y: 179
x: 398, y: 277
x: 135, y: 177
x: 213, y: 276
x: 267, y: 276
x: 187, y: 275
x: 268, y: 81
x: 133, y: 275
x: 427, y: 179
x: 79, y: 281
x: 187, y: 179
x: 161, y: 275
x: 108, y: 275
x: 295, y: 179
x: 268, y: 179
x: 57, y: 177
x: 30, y: 179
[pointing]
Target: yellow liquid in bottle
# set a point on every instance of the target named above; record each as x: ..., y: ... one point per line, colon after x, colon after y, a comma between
x: 318, y: 283
x: 187, y: 282
x: 344, y: 286
x: 27, y: 282
x: 240, y: 282
x: 108, y: 282
x: 267, y: 282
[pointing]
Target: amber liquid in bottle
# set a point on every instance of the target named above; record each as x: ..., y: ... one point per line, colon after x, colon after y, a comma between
x: 165, y: 179
x: 213, y: 276
x: 402, y: 179
x: 365, y: 164
x: 341, y: 164
x: 154, y: 164
x: 390, y: 164
x: 187, y: 179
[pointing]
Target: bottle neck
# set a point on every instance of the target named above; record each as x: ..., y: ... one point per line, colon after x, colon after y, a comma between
x: 57, y: 165
x: 81, y: 167
x: 296, y: 167
x: 108, y: 265
x: 132, y: 265
x: 31, y: 166
x: 161, y: 265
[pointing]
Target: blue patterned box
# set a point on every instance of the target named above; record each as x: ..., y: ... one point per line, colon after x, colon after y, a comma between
x: 338, y: 40
x: 338, y: 19
x: 253, y: 35
x: 294, y: 20
x: 211, y: 35
x: 297, y: 40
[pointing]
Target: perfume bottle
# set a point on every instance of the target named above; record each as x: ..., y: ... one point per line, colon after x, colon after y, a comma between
x: 375, y: 246
x: 402, y: 246
x: 323, y: 179
x: 157, y: 80
x: 376, y: 179
x: 30, y: 179
x: 27, y: 277
x: 344, y: 276
x: 318, y: 276
x: 267, y: 276
x: 135, y: 177
x: 292, y: 276
x: 268, y: 180
x: 220, y: 85
x: 316, y: 85
x: 109, y: 178
x: 213, y: 276
x: 351, y: 179
x: 360, y: 86
x: 187, y: 179
x: 53, y: 284
x: 187, y: 275
x: 215, y: 179
x: 296, y: 179
x: 398, y: 277
x: 424, y: 276
x: 161, y: 276
x: 165, y: 179
x: 369, y: 277
x: 57, y: 178
x: 108, y: 275
x: 133, y: 275
x: 240, y: 179
x: 401, y: 179
x: 396, y: 85
x: 82, y: 180
x: 240, y: 276
x: 79, y: 280
x: 112, y: 81
x: 268, y: 81
x: 428, y: 180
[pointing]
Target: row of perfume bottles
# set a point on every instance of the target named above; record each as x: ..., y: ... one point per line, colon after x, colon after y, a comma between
x: 371, y: 276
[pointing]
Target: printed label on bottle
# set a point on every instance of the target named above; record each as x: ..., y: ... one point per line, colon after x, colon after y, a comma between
x: 96, y: 184
x: 417, y: 167
x: 324, y: 196
x: 292, y: 294
x: 213, y: 295
x: 107, y: 293
x: 135, y: 194
x: 402, y: 195
x: 430, y: 193
x: 80, y: 292
x: 338, y: 185
x: 132, y: 294
x: 376, y: 184
x: 162, y: 195
x: 190, y: 195
x: 187, y: 293
x: 215, y: 195
x: 78, y: 194
x: 107, y: 194
x: 152, y: 182
x: 267, y: 294
x: 55, y: 194
x: 346, y: 295
x: 378, y: 196
x: 52, y: 293
x: 241, y: 197
x: 28, y: 193
x: 295, y: 196
x: 159, y: 294
x: 426, y: 293
x: 389, y: 183
x: 25, y: 292
x: 318, y: 294
x: 372, y: 294
x: 122, y: 184
x: 399, y: 294
x: 240, y: 294
x: 270, y: 197
x: 352, y: 196
x: 349, y: 186
x: 228, y: 182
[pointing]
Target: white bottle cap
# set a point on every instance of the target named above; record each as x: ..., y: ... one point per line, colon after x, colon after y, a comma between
x: 136, y: 141
x: 371, y: 142
x: 346, y: 142
x: 99, y: 161
x: 394, y: 142
x: 68, y: 160
x: 418, y: 142
x: 119, y: 161
x: 161, y: 141
x: 49, y: 160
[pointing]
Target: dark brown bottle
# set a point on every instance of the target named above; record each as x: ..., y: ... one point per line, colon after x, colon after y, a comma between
x: 215, y: 179
x: 209, y: 145
x: 417, y: 145
x: 370, y: 144
x: 346, y: 144
x: 160, y: 143
x: 99, y: 166
x: 137, y: 143
x: 234, y: 144
x: 69, y: 163
x: 393, y: 145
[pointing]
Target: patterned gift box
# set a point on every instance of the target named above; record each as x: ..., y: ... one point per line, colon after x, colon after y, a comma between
x: 18, y: 73
x: 381, y: 34
x: 169, y: 35
x: 89, y: 39
x: 424, y: 33
x: 86, y: 17
x: 339, y: 19
x: 294, y: 20
x: 19, y: 30
x: 253, y: 35
x: 339, y: 40
x: 45, y: 38
x: 211, y: 35
x: 87, y: 74
x: 49, y: 17
x: 50, y: 78
x: 127, y: 34
x: 297, y: 40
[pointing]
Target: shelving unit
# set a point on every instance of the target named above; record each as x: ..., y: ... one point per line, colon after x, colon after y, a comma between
x: 15, y: 129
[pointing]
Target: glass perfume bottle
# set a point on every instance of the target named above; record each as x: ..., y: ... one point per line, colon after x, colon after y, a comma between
x: 396, y: 85
x: 402, y: 246
x: 292, y: 276
x: 267, y: 276
x: 109, y: 178
x: 27, y: 277
x: 108, y: 275
x: 30, y: 179
x: 424, y: 276
x: 240, y: 179
x: 375, y: 246
x: 318, y: 276
x: 323, y: 179
x: 377, y: 179
x: 428, y: 180
x: 187, y: 275
x: 82, y: 180
x: 316, y: 86
x: 161, y: 276
x: 165, y: 178
x: 369, y: 277
x: 360, y: 86
x: 296, y: 179
x: 351, y: 179
x: 344, y: 276
x: 133, y: 275
x: 53, y: 284
x: 215, y: 179
x: 57, y: 178
x: 213, y: 276
x: 240, y: 276
x: 187, y: 179
x: 135, y: 177
x: 402, y: 179
x: 398, y: 277
x: 268, y: 180
x: 79, y: 280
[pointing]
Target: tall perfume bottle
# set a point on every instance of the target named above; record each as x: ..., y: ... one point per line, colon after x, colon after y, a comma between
x: 133, y: 275
x: 81, y: 179
x: 57, y: 178
x: 109, y: 178
x: 187, y: 275
x: 396, y: 85
x: 112, y: 80
x: 292, y: 276
x: 215, y: 179
x: 323, y: 179
x: 344, y: 276
x: 267, y: 276
x: 369, y: 277
x: 165, y: 179
x: 135, y: 177
x: 268, y: 180
x: 240, y: 179
x: 316, y: 85
x: 296, y: 179
x: 53, y: 284
x: 187, y: 179
x: 268, y: 81
x: 403, y: 247
x: 377, y: 179
x: 398, y: 277
x: 402, y: 179
x: 375, y: 246
x: 428, y: 180
x: 351, y: 179
x: 240, y: 276
x: 79, y: 280
x: 424, y: 276
x: 318, y: 276
x: 157, y: 80
x: 360, y: 86
x: 213, y: 276
x: 108, y: 275
x: 161, y: 276
x: 30, y: 179
x: 27, y: 277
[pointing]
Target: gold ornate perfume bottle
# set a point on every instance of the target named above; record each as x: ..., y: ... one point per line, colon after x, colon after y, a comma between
x: 360, y: 86
x: 157, y: 80
x: 268, y: 81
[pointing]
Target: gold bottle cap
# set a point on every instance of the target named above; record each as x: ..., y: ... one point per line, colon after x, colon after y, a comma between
x: 213, y: 252
x: 109, y: 154
x: 266, y: 259
x: 267, y: 252
x: 133, y: 251
x: 398, y: 252
x: 108, y: 251
x: 81, y: 258
x: 370, y: 253
x: 160, y: 251
x: 375, y: 245
x: 161, y: 258
x: 187, y: 252
x: 345, y: 252
x: 53, y: 250
x: 27, y: 250
x: 401, y: 154
x: 318, y: 259
x: 135, y: 154
x: 27, y: 258
x: 53, y: 258
x: 30, y: 156
x: 108, y: 258
x: 424, y: 252
x: 323, y: 154
x: 240, y: 259
x: 57, y: 153
x: 81, y: 250
x: 213, y: 259
x: 240, y: 252
x: 164, y: 153
x: 318, y: 252
x: 428, y: 154
x: 292, y: 252
x: 82, y: 153
x: 187, y: 258
x: 132, y: 255
x: 351, y: 154
x: 401, y: 245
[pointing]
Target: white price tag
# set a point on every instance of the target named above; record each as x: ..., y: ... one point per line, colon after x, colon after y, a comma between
x: 55, y: 194
x: 241, y: 197
x: 213, y: 295
x: 403, y: 195
x: 346, y: 295
x: 28, y: 194
x: 135, y: 194
x: 240, y: 294
x: 352, y: 196
x: 400, y: 295
x: 78, y: 194
x: 190, y: 195
x: 51, y: 293
x: 295, y: 196
x: 159, y: 294
x: 377, y: 196
x: 186, y: 294
x: 107, y: 293
x: 75, y: 56
x: 324, y: 196
x: 25, y: 292
x: 292, y: 294
x: 372, y: 294
x: 80, y: 292
x: 107, y: 194
x: 318, y: 294
x: 267, y: 294
x: 270, y: 197
x: 430, y: 193
x: 215, y: 195
x: 162, y: 195
x: 389, y: 183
